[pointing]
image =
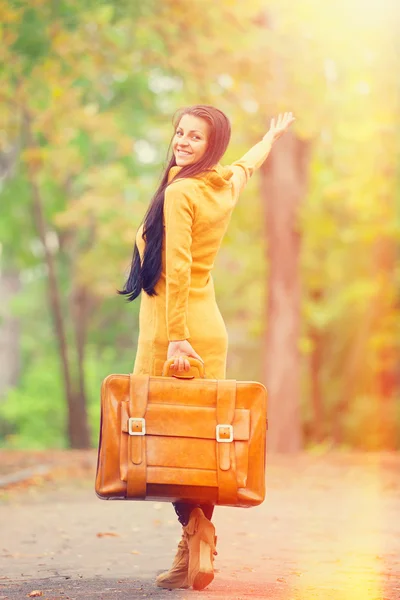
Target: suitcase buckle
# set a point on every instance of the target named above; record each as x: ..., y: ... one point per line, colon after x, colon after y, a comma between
x: 136, y: 426
x: 224, y: 433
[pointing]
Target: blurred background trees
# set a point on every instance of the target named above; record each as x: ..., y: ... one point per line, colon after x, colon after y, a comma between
x: 308, y: 276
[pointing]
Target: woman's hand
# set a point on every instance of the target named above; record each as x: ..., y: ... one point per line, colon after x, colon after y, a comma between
x: 277, y: 129
x: 179, y: 350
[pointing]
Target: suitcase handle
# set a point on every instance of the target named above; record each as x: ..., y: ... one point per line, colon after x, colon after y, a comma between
x: 196, y: 369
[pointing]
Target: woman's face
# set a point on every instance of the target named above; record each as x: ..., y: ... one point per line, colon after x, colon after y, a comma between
x: 190, y: 140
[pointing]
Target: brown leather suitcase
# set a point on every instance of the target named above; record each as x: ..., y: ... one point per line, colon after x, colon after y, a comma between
x: 182, y: 438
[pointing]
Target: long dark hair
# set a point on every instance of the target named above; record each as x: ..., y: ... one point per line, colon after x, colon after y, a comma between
x: 145, y: 276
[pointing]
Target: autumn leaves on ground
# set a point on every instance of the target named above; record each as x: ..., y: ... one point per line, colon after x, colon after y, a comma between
x: 328, y: 530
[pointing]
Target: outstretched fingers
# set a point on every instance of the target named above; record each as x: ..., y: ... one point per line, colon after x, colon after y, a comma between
x: 281, y: 123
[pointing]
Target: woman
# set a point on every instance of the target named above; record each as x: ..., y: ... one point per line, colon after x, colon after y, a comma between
x: 174, y: 254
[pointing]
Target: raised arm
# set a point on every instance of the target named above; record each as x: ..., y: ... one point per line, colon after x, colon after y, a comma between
x: 244, y: 168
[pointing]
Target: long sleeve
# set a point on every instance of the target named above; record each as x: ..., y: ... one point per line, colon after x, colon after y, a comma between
x: 244, y: 168
x: 178, y: 215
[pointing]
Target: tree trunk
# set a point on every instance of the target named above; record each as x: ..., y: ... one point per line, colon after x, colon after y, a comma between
x: 80, y: 306
x: 315, y: 377
x: 10, y: 359
x: 78, y: 431
x: 283, y: 185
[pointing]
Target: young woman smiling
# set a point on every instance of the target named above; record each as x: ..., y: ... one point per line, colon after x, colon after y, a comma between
x: 174, y: 254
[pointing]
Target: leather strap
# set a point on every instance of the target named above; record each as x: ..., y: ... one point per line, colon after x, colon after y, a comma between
x: 137, y: 464
x: 227, y: 482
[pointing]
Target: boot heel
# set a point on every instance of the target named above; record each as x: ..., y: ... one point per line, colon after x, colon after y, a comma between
x: 201, y: 547
x: 205, y: 574
x: 205, y: 558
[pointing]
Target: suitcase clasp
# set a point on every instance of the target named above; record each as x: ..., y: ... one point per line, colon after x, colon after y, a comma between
x: 136, y: 426
x: 224, y: 433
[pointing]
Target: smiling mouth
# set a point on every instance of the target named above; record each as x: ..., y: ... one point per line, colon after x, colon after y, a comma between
x: 183, y: 153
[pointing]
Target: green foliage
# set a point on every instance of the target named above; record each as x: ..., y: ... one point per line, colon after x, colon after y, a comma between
x: 33, y: 415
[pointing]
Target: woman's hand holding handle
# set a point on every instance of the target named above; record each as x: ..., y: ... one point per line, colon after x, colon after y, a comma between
x: 279, y: 126
x: 179, y: 349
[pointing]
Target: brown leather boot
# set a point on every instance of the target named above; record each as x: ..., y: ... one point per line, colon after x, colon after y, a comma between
x: 177, y: 576
x: 201, y: 542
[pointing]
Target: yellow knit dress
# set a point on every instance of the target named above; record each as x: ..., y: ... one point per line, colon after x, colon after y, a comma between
x: 197, y: 212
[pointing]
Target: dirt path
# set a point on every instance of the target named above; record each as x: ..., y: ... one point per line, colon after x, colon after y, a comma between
x: 329, y: 530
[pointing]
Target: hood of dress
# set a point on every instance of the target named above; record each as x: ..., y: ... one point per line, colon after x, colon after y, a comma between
x: 218, y: 177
